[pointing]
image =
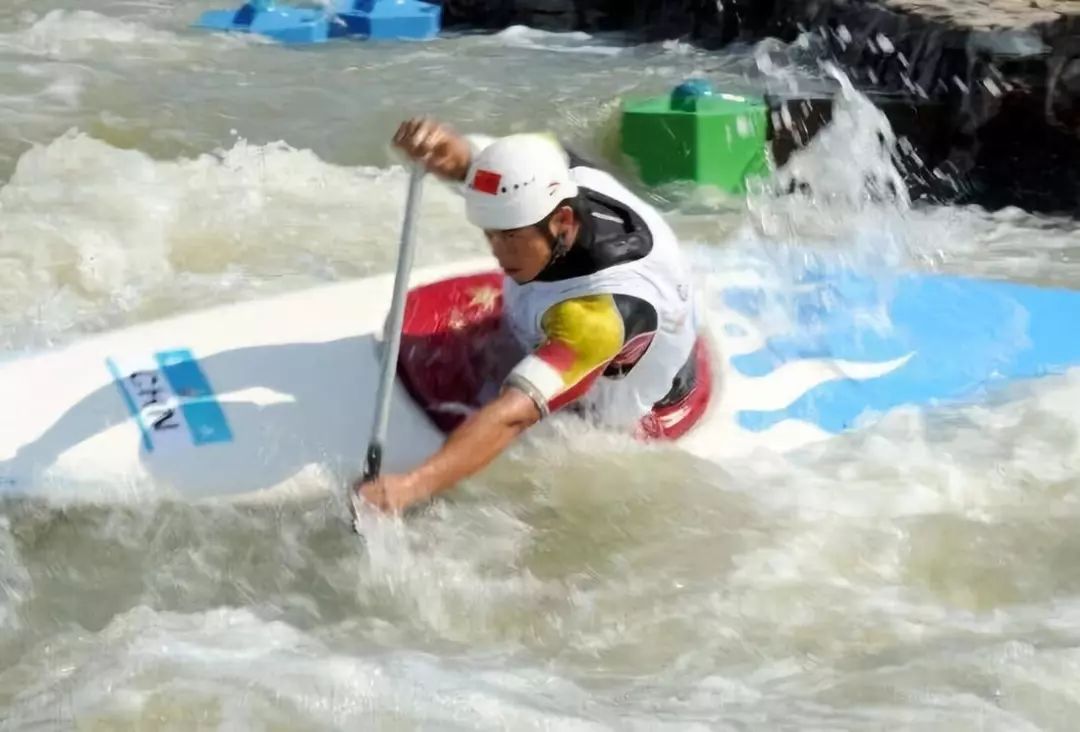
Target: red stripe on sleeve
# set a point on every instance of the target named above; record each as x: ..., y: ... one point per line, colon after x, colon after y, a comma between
x: 558, y: 355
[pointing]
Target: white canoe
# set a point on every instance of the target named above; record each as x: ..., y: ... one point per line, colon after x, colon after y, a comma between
x: 281, y: 385
x: 244, y: 399
x: 230, y: 401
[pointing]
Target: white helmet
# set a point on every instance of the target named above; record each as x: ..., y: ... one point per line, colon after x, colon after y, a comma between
x: 517, y: 181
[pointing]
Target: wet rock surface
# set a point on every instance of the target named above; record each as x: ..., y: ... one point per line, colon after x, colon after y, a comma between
x: 988, y: 91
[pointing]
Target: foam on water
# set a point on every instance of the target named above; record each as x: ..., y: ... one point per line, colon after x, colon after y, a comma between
x: 230, y: 668
x: 15, y: 582
x: 72, y: 35
x: 224, y: 226
x: 523, y: 37
x: 889, y: 578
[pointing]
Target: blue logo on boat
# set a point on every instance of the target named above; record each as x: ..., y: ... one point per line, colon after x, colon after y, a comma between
x: 203, y: 414
x: 154, y: 396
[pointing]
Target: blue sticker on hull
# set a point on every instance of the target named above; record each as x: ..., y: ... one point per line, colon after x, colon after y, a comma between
x: 171, y: 401
x: 204, y: 416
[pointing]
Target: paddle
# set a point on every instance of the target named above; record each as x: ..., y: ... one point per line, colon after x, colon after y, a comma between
x: 373, y: 462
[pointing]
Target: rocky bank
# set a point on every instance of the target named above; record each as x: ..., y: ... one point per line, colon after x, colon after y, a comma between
x: 987, y: 90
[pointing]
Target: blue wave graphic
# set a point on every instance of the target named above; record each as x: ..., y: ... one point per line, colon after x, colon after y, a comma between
x: 964, y: 337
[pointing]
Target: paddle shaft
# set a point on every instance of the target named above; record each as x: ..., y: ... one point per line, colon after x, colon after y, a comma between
x: 373, y: 463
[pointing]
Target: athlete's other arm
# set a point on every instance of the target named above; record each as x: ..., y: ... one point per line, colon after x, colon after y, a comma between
x: 582, y: 335
x: 468, y: 450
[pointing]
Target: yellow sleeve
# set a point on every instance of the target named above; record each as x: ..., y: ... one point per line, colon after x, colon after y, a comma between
x: 582, y: 336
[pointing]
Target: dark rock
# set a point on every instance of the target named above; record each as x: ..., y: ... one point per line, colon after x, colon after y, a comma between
x: 652, y: 19
x: 987, y: 92
x: 1009, y: 131
x: 919, y: 123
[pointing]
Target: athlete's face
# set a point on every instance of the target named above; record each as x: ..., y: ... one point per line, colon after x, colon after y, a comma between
x: 523, y: 253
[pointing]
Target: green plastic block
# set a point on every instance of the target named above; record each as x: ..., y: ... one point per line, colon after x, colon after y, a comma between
x: 695, y: 135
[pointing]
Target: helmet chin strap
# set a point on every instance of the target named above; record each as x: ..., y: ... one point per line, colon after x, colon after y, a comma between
x: 559, y: 248
x: 558, y: 245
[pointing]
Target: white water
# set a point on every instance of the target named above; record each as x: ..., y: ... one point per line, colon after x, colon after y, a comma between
x: 919, y: 574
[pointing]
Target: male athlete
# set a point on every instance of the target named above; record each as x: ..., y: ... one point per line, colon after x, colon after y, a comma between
x: 596, y: 292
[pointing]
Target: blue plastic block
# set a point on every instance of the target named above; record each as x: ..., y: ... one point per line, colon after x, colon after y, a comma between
x: 280, y: 22
x: 387, y: 19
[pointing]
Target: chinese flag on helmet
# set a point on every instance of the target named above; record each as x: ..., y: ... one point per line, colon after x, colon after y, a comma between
x: 486, y: 181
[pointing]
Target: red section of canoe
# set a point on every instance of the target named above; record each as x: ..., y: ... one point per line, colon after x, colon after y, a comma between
x: 452, y: 346
x: 455, y: 355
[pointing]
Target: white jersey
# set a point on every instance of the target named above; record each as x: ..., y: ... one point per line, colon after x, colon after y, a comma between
x: 659, y: 278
